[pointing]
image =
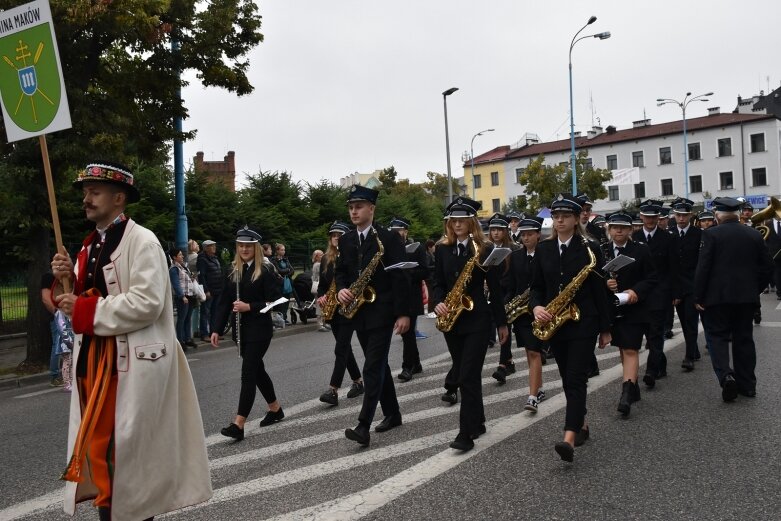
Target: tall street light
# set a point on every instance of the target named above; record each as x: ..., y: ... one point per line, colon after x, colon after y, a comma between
x: 602, y: 36
x: 445, y: 94
x: 472, y: 155
x: 683, y: 104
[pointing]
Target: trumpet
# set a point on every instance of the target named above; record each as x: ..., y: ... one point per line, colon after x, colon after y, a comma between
x: 772, y: 210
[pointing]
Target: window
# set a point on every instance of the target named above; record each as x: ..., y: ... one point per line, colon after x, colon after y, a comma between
x: 758, y: 142
x: 495, y: 204
x: 694, y: 151
x: 667, y: 187
x: 478, y: 182
x: 612, y: 162
x: 695, y: 184
x: 494, y: 178
x: 637, y: 159
x: 518, y: 173
x: 725, y: 181
x: 589, y: 164
x: 665, y: 156
x: 725, y: 147
x: 758, y: 177
x: 612, y: 192
x: 640, y: 190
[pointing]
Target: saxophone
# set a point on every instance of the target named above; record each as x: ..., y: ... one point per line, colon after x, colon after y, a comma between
x: 518, y: 306
x: 456, y: 300
x: 329, y: 308
x: 561, y: 307
x: 360, y: 288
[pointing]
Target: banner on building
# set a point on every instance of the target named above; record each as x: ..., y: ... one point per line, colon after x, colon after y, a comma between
x: 31, y: 83
x: 625, y: 176
x: 757, y: 201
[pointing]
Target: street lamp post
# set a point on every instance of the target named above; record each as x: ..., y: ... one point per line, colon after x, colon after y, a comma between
x: 445, y: 94
x: 602, y: 36
x: 683, y: 104
x: 472, y: 156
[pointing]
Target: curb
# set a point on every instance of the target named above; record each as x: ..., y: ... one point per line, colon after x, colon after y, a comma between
x: 14, y: 381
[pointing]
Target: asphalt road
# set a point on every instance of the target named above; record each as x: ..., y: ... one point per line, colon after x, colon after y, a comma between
x: 682, y: 454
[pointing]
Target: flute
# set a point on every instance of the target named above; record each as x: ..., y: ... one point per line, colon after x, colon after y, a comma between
x: 238, y: 314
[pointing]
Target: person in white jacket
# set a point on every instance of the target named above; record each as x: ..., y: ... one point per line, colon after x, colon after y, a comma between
x: 135, y: 442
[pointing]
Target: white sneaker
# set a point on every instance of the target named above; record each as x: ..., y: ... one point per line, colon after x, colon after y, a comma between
x: 531, y: 404
x: 540, y: 395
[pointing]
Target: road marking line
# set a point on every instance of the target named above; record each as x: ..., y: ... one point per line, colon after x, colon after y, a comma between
x: 771, y: 324
x: 38, y: 393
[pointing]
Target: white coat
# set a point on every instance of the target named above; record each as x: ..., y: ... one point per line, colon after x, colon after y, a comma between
x: 160, y: 451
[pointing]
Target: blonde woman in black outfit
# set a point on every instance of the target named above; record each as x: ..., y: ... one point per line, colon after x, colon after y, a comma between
x: 557, y: 261
x: 341, y: 327
x: 258, y: 286
x: 466, y: 340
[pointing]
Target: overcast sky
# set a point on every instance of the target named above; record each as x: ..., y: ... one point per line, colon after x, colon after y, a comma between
x: 356, y: 85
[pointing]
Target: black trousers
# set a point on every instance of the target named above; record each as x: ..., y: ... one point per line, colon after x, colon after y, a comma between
x: 253, y: 374
x: 410, y: 354
x: 467, y: 351
x: 343, y: 352
x: 690, y: 321
x: 657, y: 360
x: 377, y: 379
x: 574, y: 360
x: 777, y: 275
x: 733, y: 322
x: 669, y: 315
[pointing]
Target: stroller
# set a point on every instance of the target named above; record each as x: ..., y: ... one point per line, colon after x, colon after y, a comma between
x: 302, y: 309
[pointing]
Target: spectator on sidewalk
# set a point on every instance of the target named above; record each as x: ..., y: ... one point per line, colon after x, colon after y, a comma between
x: 195, y: 305
x: 181, y: 284
x: 317, y: 256
x: 285, y: 270
x: 47, y: 281
x: 210, y: 276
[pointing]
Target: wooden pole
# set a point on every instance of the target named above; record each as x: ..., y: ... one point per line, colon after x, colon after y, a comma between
x: 53, y: 204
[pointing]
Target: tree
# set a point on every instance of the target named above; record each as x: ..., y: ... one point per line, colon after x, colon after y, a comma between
x: 388, y: 177
x: 211, y: 208
x: 437, y: 185
x: 543, y: 182
x: 122, y: 81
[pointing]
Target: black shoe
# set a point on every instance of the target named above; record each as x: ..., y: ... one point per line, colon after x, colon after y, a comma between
x: 330, y: 397
x: 758, y: 316
x: 661, y: 374
x: 565, y: 451
x: 500, y: 375
x: 405, y: 375
x: 697, y: 356
x: 190, y: 343
x: 233, y: 431
x: 356, y: 389
x: 729, y: 389
x: 450, y: 397
x: 480, y: 431
x: 748, y: 394
x: 634, y: 394
x: 688, y: 365
x: 509, y: 367
x: 272, y: 417
x: 625, y: 402
x: 388, y: 423
x: 668, y: 334
x: 463, y: 443
x: 649, y: 380
x: 417, y: 369
x: 593, y: 373
x: 359, y: 434
x: 581, y: 437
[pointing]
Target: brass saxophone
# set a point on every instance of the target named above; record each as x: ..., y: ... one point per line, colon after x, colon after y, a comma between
x: 456, y: 300
x: 360, y: 288
x: 518, y: 306
x: 331, y: 303
x: 561, y: 307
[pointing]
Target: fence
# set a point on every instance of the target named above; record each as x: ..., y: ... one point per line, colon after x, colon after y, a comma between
x: 13, y: 303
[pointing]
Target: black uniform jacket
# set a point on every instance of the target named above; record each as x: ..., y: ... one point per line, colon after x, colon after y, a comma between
x: 552, y: 271
x: 773, y: 240
x: 734, y: 266
x: 640, y: 277
x: 255, y: 326
x: 447, y: 267
x: 688, y: 253
x: 392, y: 286
x: 416, y: 277
x: 326, y: 277
x: 664, y: 253
x: 520, y: 269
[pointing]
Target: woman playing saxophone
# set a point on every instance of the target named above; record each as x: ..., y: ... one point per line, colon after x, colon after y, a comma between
x: 463, y: 313
x: 570, y: 305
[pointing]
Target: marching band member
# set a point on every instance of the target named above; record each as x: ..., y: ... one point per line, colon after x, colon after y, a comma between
x: 688, y: 252
x: 634, y: 282
x: 341, y: 328
x: 594, y: 233
x: 515, y: 220
x: 521, y: 261
x: 458, y: 275
x: 563, y: 272
x: 257, y: 286
x: 706, y: 219
x: 363, y: 255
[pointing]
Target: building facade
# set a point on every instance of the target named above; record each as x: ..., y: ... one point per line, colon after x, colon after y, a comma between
x: 223, y: 172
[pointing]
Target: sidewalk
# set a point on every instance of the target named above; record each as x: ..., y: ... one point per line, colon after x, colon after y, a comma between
x: 12, y: 357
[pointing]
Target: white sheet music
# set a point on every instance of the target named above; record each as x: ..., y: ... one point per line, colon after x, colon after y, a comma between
x: 412, y: 247
x: 497, y: 256
x: 617, y: 263
x: 402, y: 266
x: 277, y: 302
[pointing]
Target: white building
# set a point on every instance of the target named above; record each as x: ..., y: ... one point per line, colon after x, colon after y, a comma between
x: 729, y: 155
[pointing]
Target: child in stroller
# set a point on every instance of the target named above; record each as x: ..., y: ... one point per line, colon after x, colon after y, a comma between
x: 302, y: 300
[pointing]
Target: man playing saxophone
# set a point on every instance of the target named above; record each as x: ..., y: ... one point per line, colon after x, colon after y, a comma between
x: 570, y: 304
x: 464, y: 314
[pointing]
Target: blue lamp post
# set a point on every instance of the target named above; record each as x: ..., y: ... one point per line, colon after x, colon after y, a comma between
x: 683, y: 104
x: 472, y: 156
x: 602, y: 36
